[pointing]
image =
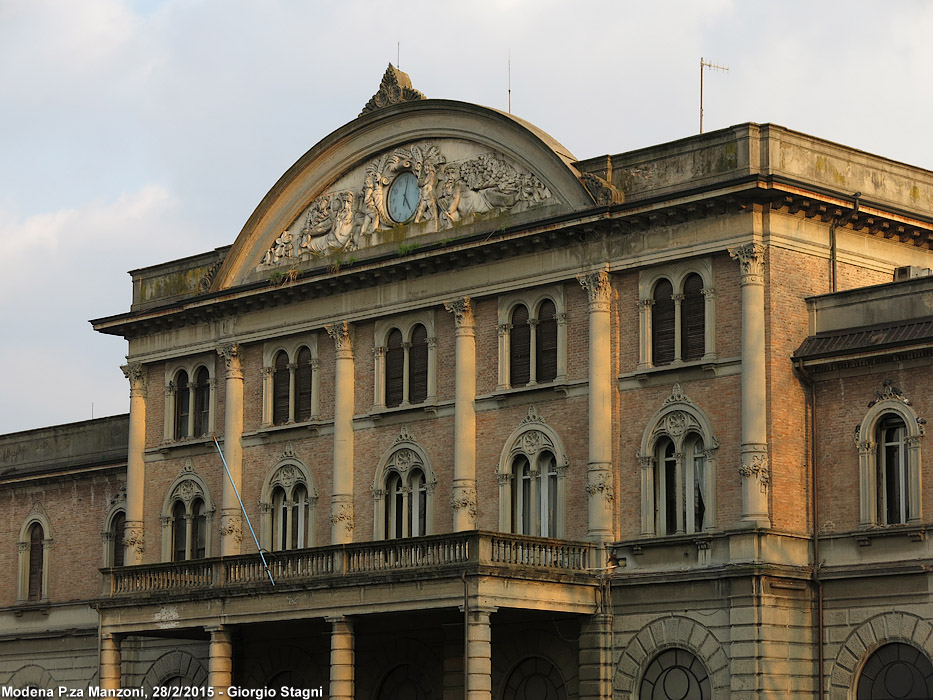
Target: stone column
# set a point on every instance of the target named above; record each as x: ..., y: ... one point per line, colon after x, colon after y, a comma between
x: 220, y: 665
x: 231, y: 525
x: 135, y: 465
x: 110, y: 662
x: 595, y: 657
x: 599, y: 481
x: 342, y: 659
x: 342, y: 498
x: 479, y: 654
x: 755, y: 470
x: 464, y: 486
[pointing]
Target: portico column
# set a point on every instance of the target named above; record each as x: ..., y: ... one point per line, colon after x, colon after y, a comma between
x: 479, y: 654
x: 342, y: 498
x: 110, y: 662
x: 135, y: 466
x: 599, y: 481
x: 464, y: 486
x: 231, y: 526
x: 220, y: 665
x: 342, y: 659
x: 755, y: 470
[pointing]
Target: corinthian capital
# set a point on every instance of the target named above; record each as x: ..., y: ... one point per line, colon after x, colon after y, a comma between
x: 342, y: 335
x: 597, y: 287
x: 231, y: 354
x: 136, y: 375
x: 462, y: 310
x: 751, y: 257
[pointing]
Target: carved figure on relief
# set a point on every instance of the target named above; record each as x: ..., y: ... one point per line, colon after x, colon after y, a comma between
x: 448, y: 193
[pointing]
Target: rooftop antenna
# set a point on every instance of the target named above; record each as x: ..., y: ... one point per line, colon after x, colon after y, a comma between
x: 510, y: 81
x: 398, y: 55
x: 240, y: 501
x: 711, y: 66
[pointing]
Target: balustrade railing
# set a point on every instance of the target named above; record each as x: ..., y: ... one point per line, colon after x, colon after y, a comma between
x: 436, y: 552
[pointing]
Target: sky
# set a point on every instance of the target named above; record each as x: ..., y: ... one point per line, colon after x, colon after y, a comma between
x: 133, y: 132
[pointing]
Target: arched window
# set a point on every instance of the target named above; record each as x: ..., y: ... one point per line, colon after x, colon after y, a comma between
x: 395, y: 369
x: 187, y: 512
x: 892, y: 470
x: 693, y: 319
x: 418, y: 365
x: 662, y: 323
x: 677, y: 316
x: 36, y: 563
x: 677, y: 458
x: 546, y: 342
x: 117, y: 526
x: 888, y: 440
x: 532, y: 480
x: 537, y: 678
x: 403, y: 491
x: 34, y: 543
x: 202, y: 402
x: 189, y: 401
x: 532, y: 338
x: 519, y: 347
x: 287, y: 504
x: 675, y: 674
x: 895, y: 671
x: 303, y: 378
x: 281, y: 389
x: 405, y: 360
x: 182, y: 404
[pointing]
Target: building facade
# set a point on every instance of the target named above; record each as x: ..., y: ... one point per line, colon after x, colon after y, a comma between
x: 508, y: 424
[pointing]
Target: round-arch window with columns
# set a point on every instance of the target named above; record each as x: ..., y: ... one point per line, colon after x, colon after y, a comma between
x: 678, y: 469
x: 532, y: 480
x: 403, y: 491
x: 187, y: 514
x: 287, y: 504
x: 35, y: 540
x: 888, y: 441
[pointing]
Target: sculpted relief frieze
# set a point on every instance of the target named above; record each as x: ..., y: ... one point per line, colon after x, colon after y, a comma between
x: 425, y: 187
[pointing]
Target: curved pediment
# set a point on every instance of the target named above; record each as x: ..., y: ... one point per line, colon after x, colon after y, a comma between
x: 401, y: 176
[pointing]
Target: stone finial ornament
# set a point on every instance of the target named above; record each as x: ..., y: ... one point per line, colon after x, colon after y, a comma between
x: 395, y: 87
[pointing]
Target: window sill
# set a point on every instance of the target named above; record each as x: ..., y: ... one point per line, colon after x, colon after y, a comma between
x: 41, y: 607
x: 431, y: 407
x: 681, y: 372
x: 915, y: 532
x: 522, y: 394
x: 203, y: 441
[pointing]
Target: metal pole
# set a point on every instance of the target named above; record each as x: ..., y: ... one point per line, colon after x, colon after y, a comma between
x: 466, y: 637
x: 701, y: 94
x: 240, y: 501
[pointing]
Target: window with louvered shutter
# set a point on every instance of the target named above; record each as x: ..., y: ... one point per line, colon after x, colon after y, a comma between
x: 662, y: 324
x: 35, y: 562
x: 182, y: 396
x: 546, y: 342
x: 303, y: 384
x: 198, y: 530
x: 117, y: 526
x: 693, y: 319
x: 179, y: 532
x: 519, y: 348
x: 202, y: 401
x: 418, y: 366
x: 281, y: 384
x: 395, y: 369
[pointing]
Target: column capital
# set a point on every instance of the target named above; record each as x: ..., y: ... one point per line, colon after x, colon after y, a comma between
x: 597, y: 288
x: 231, y: 354
x: 462, y: 309
x: 136, y: 374
x: 342, y: 335
x: 751, y: 259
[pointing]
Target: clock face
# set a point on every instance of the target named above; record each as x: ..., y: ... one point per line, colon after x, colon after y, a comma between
x: 404, y: 196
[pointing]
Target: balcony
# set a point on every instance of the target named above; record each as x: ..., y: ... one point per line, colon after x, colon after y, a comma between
x: 362, y: 563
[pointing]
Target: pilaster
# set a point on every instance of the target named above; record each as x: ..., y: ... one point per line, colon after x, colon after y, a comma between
x: 135, y: 464
x: 464, y: 485
x: 342, y: 497
x: 230, y: 517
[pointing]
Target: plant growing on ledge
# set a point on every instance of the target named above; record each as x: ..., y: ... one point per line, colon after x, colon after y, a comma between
x: 405, y: 249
